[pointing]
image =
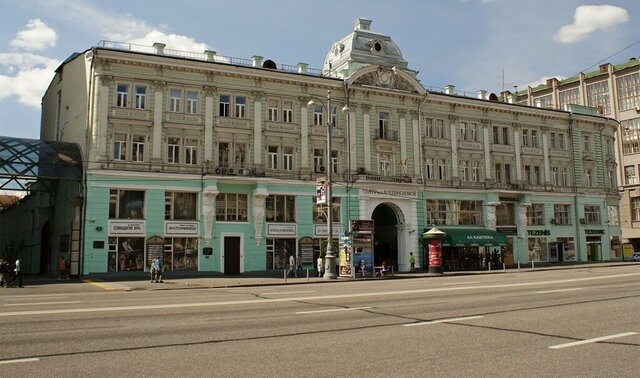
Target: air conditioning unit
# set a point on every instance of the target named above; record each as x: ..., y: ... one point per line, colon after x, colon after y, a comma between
x: 231, y: 171
x: 223, y: 171
x: 583, y: 221
x: 241, y: 171
x: 320, y: 168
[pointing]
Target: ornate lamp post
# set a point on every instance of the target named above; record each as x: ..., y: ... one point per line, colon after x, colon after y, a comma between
x: 329, y: 265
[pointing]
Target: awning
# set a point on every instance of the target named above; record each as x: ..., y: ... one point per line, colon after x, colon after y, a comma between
x: 472, y: 237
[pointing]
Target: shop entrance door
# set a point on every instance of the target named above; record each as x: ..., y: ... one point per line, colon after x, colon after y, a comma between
x: 231, y: 255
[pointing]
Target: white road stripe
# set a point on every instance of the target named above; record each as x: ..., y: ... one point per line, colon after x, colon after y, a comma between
x: 19, y: 360
x: 459, y: 283
x: 333, y: 310
x: 287, y: 292
x: 36, y: 296
x: 310, y: 298
x: 40, y: 303
x: 558, y: 290
x: 443, y: 321
x: 595, y: 340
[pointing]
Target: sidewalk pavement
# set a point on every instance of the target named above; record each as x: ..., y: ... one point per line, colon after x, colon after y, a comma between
x: 129, y: 281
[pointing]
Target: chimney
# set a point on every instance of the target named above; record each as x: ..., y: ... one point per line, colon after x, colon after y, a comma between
x: 158, y: 48
x: 361, y: 24
x: 448, y: 89
x: 604, y: 68
x: 210, y: 54
x: 302, y: 68
x: 256, y: 60
x: 482, y: 94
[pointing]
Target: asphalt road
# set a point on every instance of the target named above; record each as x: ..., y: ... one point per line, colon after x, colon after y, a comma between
x: 578, y: 322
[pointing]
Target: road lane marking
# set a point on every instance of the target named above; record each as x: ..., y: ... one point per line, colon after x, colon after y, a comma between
x: 40, y: 303
x: 333, y: 310
x: 558, y: 290
x: 459, y: 283
x: 19, y: 361
x: 310, y: 298
x: 594, y: 340
x: 38, y: 296
x: 443, y: 321
x: 287, y: 292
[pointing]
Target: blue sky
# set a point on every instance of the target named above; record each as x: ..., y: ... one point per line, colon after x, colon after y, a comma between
x: 472, y: 44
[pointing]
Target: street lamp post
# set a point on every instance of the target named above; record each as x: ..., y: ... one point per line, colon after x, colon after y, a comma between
x: 329, y: 265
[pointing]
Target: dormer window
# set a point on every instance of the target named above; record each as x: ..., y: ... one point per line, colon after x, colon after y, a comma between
x: 376, y: 46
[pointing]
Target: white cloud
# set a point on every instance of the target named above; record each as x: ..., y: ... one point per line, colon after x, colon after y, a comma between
x: 590, y: 18
x: 173, y: 41
x: 28, y: 79
x: 36, y: 36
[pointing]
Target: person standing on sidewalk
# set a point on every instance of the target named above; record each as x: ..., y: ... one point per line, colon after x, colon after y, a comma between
x: 292, y: 265
x: 62, y: 269
x: 156, y: 270
x: 320, y: 266
x: 412, y: 263
x: 18, y: 273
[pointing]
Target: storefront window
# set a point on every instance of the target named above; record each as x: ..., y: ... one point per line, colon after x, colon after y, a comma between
x: 126, y: 204
x: 505, y: 214
x: 125, y: 254
x: 180, y: 254
x: 538, y: 250
x: 278, y: 251
x: 569, y: 249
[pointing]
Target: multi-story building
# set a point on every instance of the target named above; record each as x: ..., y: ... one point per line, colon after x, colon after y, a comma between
x: 614, y: 91
x: 212, y: 162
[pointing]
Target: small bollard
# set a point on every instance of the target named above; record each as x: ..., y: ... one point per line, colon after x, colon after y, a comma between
x: 533, y: 265
x: 285, y: 275
x: 307, y: 274
x: 504, y: 267
x: 518, y: 265
x: 489, y: 265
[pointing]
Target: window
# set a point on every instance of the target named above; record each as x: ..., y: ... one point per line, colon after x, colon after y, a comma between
x: 535, y: 214
x: 505, y: 135
x: 586, y: 143
x: 544, y: 101
x: 191, y: 151
x: 223, y: 106
x: 473, y: 132
x: 441, y: 173
x: 137, y: 150
x: 537, y: 176
x: 287, y: 111
x: 287, y: 159
x: 320, y: 211
x: 468, y: 212
x: 125, y: 254
x: 592, y: 214
x: 175, y: 95
x: 628, y: 91
x: 272, y: 110
x: 561, y: 214
x: 280, y: 208
x: 464, y: 170
x: 126, y: 204
x: 436, y: 212
x: 383, y: 125
x: 440, y: 133
x: 564, y: 177
x: 334, y: 161
x: 241, y: 105
x: 180, y: 206
x: 384, y: 164
x: 496, y: 135
x: 180, y: 253
x: 498, y: 173
x: 630, y: 136
x: 555, y: 176
x: 429, y: 127
x: 538, y: 250
x: 463, y: 130
x: 141, y: 97
x: 224, y: 153
x: 120, y: 147
x: 525, y: 138
x: 173, y: 150
x: 475, y: 171
x: 529, y: 138
x: 192, y: 102
x: 571, y: 96
x: 527, y: 174
x: 635, y: 208
x: 232, y: 207
x: 429, y: 168
x: 552, y: 139
x: 277, y: 252
x: 588, y: 176
x: 122, y: 95
x: 598, y: 96
x: 506, y: 214
x: 272, y: 157
x: 507, y: 173
x: 630, y: 175
x: 318, y: 158
x: 317, y: 115
x: 534, y: 138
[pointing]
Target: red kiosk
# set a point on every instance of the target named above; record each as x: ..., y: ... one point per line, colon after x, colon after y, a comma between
x: 435, y: 236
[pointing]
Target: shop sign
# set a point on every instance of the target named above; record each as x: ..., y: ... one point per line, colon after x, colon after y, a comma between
x: 509, y: 231
x: 391, y: 192
x: 277, y: 229
x: 594, y: 232
x: 362, y: 225
x: 538, y: 232
x: 126, y: 227
x: 320, y: 230
x: 181, y: 228
x: 306, y: 250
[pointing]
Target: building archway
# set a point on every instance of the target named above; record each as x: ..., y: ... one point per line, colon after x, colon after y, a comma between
x: 386, y: 218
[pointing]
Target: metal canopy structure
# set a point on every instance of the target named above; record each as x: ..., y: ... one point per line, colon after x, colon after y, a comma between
x: 23, y: 162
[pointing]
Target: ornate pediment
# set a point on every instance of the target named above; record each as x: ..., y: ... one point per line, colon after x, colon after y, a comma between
x: 386, y: 78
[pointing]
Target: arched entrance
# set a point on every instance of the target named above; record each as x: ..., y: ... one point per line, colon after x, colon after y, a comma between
x: 386, y: 218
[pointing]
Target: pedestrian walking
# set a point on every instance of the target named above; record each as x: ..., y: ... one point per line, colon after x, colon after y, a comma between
x: 320, y: 266
x: 412, y: 262
x: 4, y: 271
x: 292, y: 265
x: 18, y: 273
x: 63, y: 274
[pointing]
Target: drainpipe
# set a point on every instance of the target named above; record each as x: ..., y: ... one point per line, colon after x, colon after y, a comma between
x: 577, y: 243
x: 349, y: 183
x: 421, y: 151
